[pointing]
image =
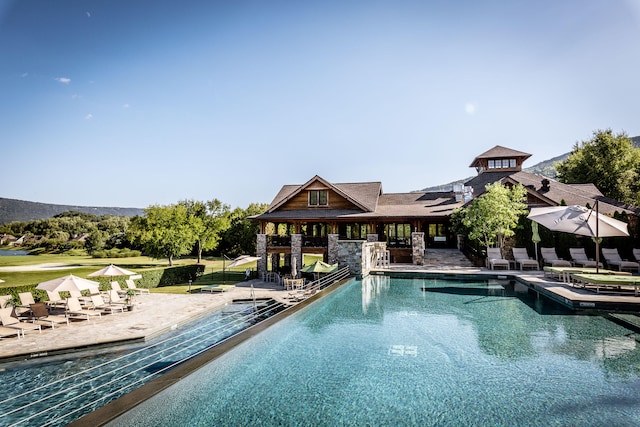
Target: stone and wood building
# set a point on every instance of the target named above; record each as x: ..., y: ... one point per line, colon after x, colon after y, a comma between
x: 357, y: 223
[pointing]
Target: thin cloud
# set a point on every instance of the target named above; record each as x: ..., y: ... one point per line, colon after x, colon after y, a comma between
x: 88, y: 116
x: 23, y: 75
x: 63, y: 80
x: 88, y: 14
x: 126, y: 105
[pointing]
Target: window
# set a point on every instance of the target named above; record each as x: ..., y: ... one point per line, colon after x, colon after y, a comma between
x: 501, y: 164
x: 318, y: 198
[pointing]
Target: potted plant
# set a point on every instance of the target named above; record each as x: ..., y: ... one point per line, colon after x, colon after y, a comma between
x: 129, y: 299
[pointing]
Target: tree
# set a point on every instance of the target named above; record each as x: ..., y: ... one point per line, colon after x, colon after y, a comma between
x: 163, y: 231
x: 493, y: 217
x: 611, y: 162
x: 208, y: 221
x: 240, y: 237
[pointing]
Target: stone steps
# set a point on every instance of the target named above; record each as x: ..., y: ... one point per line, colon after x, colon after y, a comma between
x: 446, y: 258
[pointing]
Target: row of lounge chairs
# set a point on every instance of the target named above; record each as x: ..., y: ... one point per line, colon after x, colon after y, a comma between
x: 579, y: 258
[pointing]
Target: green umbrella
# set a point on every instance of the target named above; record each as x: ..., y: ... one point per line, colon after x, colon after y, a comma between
x: 319, y: 267
x: 535, y: 237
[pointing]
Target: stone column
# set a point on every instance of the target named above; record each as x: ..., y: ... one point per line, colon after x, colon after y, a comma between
x: 332, y: 249
x: 296, y: 251
x: 417, y: 245
x: 261, y: 251
x: 356, y: 254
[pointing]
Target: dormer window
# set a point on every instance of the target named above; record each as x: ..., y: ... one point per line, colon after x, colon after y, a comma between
x: 318, y: 198
x: 501, y: 164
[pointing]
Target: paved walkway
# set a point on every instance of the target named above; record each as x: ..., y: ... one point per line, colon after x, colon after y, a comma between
x: 153, y: 315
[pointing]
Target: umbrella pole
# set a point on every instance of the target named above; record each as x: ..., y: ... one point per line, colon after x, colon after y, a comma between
x: 597, y: 240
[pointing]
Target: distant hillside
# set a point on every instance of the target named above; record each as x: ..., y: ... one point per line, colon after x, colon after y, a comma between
x: 20, y: 210
x: 546, y: 168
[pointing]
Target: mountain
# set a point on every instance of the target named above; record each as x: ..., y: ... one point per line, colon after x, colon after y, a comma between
x: 20, y: 210
x: 546, y: 168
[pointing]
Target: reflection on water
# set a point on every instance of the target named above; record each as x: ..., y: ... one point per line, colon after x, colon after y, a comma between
x: 7, y: 252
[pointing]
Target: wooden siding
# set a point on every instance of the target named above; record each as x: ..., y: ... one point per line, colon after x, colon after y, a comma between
x: 301, y: 202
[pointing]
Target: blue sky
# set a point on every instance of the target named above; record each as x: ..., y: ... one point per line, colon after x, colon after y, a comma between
x: 133, y: 103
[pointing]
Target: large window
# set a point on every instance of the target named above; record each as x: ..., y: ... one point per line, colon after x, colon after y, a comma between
x: 353, y: 231
x: 501, y: 164
x: 318, y: 198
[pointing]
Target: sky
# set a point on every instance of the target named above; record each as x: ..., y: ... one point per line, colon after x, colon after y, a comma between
x: 132, y: 103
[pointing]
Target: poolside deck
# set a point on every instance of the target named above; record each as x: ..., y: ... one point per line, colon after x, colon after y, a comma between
x: 153, y: 315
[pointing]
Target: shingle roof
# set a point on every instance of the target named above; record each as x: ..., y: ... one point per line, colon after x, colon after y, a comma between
x: 499, y: 152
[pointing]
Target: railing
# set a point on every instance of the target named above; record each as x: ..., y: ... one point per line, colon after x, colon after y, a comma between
x: 315, y: 242
x: 401, y: 242
x: 279, y: 241
x: 316, y: 286
x: 49, y: 403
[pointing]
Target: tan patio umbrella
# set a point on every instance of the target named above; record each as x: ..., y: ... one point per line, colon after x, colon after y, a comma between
x: 580, y: 220
x: 294, y: 267
x: 111, y: 271
x: 243, y: 259
x: 68, y: 283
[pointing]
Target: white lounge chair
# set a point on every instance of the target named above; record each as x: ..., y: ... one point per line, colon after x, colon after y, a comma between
x: 550, y: 257
x: 613, y: 259
x: 522, y: 258
x: 8, y: 320
x: 580, y: 258
x: 75, y: 309
x: 132, y: 285
x: 495, y: 259
x: 99, y: 304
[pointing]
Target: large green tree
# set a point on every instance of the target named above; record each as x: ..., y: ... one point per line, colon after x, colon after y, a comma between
x: 163, y: 231
x: 610, y: 161
x: 208, y: 221
x: 493, y: 217
x: 240, y: 237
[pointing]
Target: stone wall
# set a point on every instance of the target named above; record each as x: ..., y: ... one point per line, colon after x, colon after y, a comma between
x: 357, y: 255
x: 332, y: 250
x: 417, y: 244
x: 261, y: 251
x: 296, y: 251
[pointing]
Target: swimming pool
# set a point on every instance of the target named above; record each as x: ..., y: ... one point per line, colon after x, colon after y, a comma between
x: 56, y: 390
x: 416, y: 352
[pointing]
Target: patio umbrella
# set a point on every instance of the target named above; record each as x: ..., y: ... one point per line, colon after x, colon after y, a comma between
x: 294, y: 267
x: 535, y: 236
x: 68, y: 283
x: 111, y: 271
x: 579, y: 220
x: 243, y: 259
x: 319, y: 267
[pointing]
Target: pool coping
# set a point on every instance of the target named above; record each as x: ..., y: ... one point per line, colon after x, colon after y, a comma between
x: 123, y: 404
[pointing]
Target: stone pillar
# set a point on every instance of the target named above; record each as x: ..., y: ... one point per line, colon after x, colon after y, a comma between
x: 417, y: 245
x: 357, y: 255
x: 296, y: 252
x: 261, y: 251
x: 332, y: 249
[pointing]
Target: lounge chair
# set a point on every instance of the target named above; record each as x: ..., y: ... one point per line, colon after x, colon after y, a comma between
x: 612, y: 258
x: 41, y: 315
x: 132, y: 285
x: 55, y: 300
x: 550, y: 257
x: 217, y: 288
x: 75, y: 309
x: 608, y: 281
x: 495, y: 260
x: 115, y: 286
x: 580, y: 258
x: 10, y: 321
x: 114, y: 298
x: 99, y: 304
x: 522, y: 258
x: 9, y: 332
x: 26, y: 299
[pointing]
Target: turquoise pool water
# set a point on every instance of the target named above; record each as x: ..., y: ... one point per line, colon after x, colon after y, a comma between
x: 422, y: 352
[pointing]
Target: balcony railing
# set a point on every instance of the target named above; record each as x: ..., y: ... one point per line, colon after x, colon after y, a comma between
x: 315, y: 242
x: 279, y: 241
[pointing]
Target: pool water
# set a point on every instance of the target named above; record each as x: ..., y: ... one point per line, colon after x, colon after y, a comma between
x: 54, y: 391
x: 405, y: 352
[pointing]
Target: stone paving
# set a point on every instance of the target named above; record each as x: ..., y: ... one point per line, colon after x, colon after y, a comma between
x: 153, y: 314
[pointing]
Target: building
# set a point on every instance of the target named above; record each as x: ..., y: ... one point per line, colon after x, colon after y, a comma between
x: 321, y: 217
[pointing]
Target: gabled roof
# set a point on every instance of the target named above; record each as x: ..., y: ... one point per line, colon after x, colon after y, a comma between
x: 499, y: 152
x: 362, y: 195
